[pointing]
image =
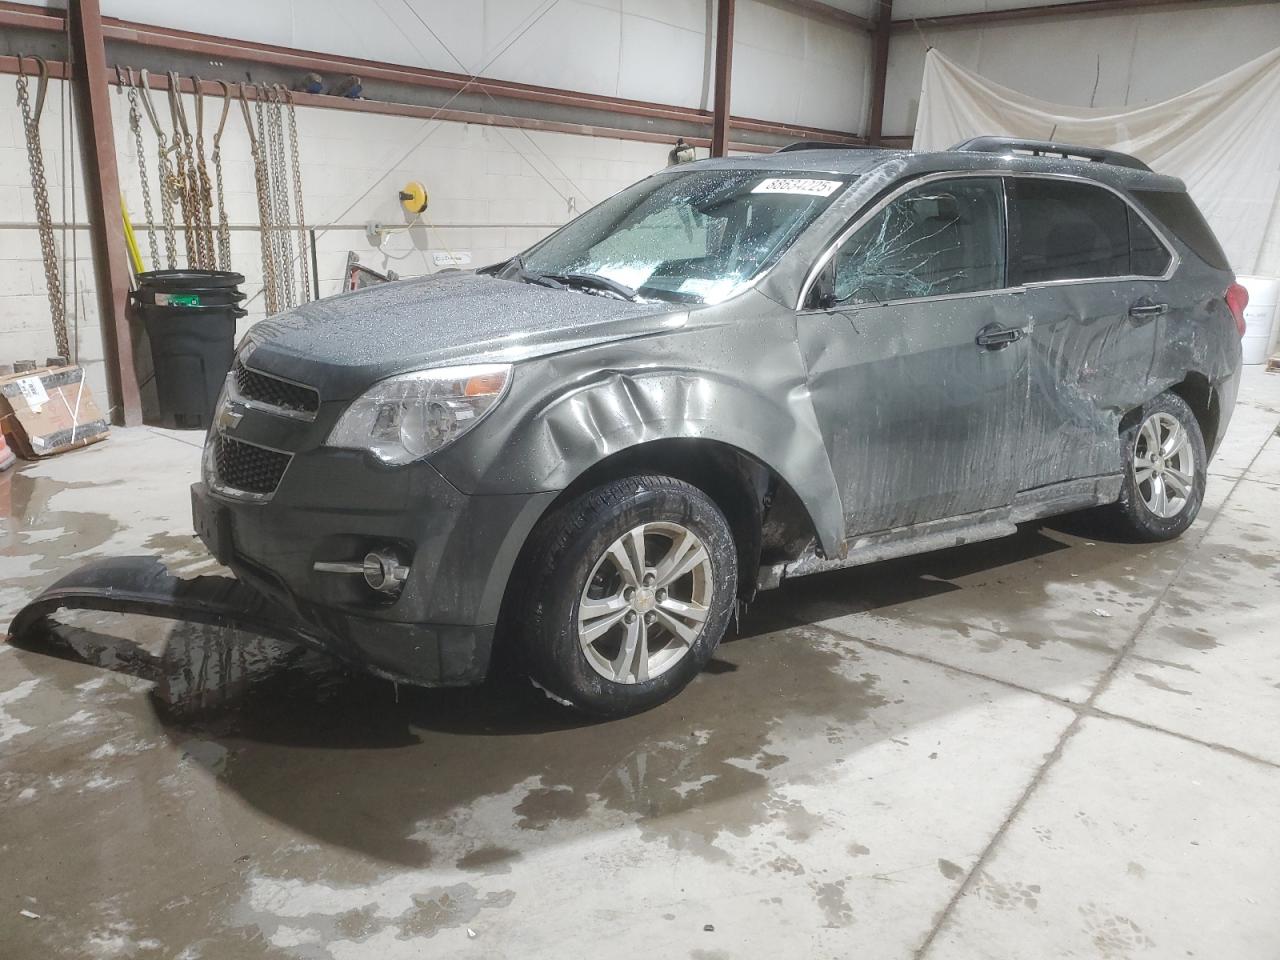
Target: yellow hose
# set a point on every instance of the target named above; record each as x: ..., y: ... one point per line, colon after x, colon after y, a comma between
x: 135, y: 257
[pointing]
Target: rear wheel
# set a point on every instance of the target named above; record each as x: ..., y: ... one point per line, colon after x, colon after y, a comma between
x: 1165, y: 465
x: 629, y: 589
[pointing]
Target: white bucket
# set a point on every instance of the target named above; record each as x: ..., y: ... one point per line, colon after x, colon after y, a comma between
x: 1259, y: 316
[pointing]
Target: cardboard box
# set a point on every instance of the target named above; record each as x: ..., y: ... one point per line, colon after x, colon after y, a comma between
x: 49, y: 411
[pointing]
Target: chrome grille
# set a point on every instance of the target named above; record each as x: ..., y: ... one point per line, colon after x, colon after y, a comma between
x: 247, y: 467
x: 274, y: 392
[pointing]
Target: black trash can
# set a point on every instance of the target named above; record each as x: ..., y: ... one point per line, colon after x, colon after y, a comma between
x: 190, y: 316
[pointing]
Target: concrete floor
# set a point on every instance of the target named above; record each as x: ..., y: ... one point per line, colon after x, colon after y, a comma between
x: 1045, y: 746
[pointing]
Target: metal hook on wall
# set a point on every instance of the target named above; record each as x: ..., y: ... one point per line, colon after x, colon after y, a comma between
x: 226, y: 108
x: 42, y: 85
x: 144, y: 88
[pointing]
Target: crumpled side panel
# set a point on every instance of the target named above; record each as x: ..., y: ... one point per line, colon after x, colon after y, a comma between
x: 747, y: 389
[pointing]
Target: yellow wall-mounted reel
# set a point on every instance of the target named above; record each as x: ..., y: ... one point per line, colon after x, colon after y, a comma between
x: 413, y: 197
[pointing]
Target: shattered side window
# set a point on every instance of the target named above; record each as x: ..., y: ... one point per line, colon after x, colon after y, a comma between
x: 938, y: 239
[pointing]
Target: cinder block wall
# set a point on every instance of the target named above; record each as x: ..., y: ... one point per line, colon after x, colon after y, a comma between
x: 26, y: 330
x: 493, y: 192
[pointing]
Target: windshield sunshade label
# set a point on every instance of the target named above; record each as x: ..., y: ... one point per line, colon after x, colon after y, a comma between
x: 803, y: 186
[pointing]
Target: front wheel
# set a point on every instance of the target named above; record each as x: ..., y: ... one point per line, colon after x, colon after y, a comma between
x: 628, y: 590
x: 1165, y: 464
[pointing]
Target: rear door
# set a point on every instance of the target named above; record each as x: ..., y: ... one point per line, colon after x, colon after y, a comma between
x: 919, y: 418
x: 1091, y: 267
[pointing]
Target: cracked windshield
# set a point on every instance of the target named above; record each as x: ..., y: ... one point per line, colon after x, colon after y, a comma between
x: 935, y: 240
x: 688, y: 238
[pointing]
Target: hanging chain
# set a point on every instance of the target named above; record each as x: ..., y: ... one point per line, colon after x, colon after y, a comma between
x: 40, y: 187
x: 164, y: 173
x: 135, y: 124
x: 203, y: 184
x: 186, y: 169
x: 297, y: 199
x: 280, y: 195
x: 268, y: 222
x: 178, y: 185
x: 264, y: 204
x: 224, y: 231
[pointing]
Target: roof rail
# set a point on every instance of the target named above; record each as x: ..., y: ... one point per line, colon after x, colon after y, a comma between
x: 1042, y: 148
x: 822, y: 145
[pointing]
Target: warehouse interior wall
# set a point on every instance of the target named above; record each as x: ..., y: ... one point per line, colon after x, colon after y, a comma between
x: 496, y: 190
x: 493, y: 190
x: 653, y: 50
x: 25, y: 327
x: 1104, y: 59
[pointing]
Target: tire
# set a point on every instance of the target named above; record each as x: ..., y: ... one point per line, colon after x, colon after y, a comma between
x: 581, y: 579
x: 1138, y: 512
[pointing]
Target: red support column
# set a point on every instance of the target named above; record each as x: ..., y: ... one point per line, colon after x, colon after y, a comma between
x: 724, y: 75
x: 879, y: 72
x: 102, y: 182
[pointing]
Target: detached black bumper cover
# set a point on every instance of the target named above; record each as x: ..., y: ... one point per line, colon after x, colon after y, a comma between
x: 144, y: 585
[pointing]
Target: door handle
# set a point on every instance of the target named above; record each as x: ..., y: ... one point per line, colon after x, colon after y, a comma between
x: 1145, y: 309
x: 995, y: 337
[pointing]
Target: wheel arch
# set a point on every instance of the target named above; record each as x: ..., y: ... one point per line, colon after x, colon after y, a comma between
x: 1196, y: 390
x: 1201, y: 396
x: 769, y: 520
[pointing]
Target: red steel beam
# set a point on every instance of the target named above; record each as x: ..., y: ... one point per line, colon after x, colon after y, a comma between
x: 1079, y: 8
x: 222, y: 48
x: 106, y: 227
x: 723, y: 77
x: 58, y: 69
x: 386, y: 108
x: 216, y: 48
x: 21, y: 16
x: 879, y: 72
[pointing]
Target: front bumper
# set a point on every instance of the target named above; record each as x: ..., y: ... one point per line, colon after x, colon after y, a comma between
x: 334, y: 506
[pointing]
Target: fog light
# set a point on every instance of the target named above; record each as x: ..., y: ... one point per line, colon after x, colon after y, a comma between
x: 384, y: 572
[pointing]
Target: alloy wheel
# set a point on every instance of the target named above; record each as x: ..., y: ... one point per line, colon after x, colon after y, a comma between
x: 645, y: 602
x: 1163, y: 465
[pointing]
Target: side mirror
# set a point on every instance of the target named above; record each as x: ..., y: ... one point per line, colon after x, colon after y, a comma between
x: 822, y: 295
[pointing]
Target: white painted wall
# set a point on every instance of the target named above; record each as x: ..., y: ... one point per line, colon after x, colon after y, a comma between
x: 494, y: 191
x: 26, y: 331
x: 1133, y: 58
x: 799, y: 69
x: 789, y: 65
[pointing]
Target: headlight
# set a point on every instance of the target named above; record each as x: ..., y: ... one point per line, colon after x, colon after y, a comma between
x: 408, y: 417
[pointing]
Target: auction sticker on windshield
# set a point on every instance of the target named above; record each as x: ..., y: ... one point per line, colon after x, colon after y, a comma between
x: 800, y: 185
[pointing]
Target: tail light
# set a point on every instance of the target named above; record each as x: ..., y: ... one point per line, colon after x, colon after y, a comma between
x: 1237, y: 300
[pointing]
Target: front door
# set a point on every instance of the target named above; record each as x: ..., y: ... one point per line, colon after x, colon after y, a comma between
x: 917, y: 360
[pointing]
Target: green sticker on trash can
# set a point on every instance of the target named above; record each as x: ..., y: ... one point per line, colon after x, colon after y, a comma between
x: 177, y: 299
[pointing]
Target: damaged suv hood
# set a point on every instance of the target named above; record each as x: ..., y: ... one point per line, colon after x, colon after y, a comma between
x: 343, y: 344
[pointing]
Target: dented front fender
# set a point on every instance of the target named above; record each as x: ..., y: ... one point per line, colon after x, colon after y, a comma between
x: 735, y: 378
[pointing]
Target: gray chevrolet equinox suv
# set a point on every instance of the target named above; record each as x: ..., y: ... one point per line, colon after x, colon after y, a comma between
x: 731, y: 373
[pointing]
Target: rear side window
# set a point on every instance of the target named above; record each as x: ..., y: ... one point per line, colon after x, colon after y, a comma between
x: 1179, y: 215
x: 1064, y: 230
x: 1150, y: 256
x: 937, y: 239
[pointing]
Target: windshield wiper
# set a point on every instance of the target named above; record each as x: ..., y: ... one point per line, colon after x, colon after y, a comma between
x: 595, y: 281
x: 514, y: 269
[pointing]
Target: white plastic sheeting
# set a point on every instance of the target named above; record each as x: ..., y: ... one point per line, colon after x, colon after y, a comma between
x: 1222, y: 139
